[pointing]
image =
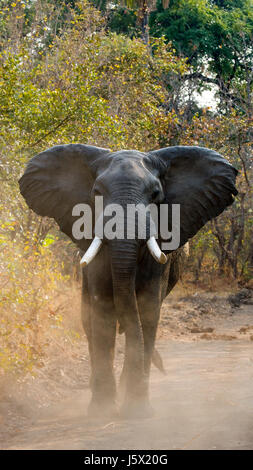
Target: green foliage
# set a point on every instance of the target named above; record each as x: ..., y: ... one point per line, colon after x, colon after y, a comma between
x: 216, y: 37
x: 123, y: 20
x: 200, y: 27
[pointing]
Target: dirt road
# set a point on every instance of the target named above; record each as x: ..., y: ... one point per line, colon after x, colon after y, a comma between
x: 204, y: 402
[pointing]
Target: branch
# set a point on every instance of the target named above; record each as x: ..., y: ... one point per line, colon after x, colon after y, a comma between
x: 224, y: 91
x: 221, y: 241
x: 242, y: 160
x: 66, y: 119
x: 202, y: 77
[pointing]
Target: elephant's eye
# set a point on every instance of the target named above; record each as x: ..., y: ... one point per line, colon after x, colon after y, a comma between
x: 96, y: 192
x: 155, y: 194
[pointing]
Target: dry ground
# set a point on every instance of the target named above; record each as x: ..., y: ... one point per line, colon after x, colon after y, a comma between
x: 205, y: 401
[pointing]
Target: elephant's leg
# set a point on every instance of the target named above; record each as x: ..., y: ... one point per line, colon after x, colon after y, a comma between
x: 86, y: 318
x: 149, y: 320
x: 149, y: 309
x: 103, y: 331
x: 135, y: 387
x: 122, y: 380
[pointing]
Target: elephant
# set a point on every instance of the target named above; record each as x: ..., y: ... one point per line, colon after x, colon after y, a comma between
x: 126, y: 280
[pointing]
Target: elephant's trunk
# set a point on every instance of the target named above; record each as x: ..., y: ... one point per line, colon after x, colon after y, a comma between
x: 123, y: 262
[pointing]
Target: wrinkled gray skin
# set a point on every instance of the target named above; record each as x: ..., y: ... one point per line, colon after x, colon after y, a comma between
x: 124, y: 283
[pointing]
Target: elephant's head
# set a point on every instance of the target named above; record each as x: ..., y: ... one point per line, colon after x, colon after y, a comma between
x: 198, y: 179
x: 59, y: 179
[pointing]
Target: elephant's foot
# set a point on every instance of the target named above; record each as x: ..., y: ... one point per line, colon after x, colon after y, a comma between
x: 136, y: 409
x: 102, y: 409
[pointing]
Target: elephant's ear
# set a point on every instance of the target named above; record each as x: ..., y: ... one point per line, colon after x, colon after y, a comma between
x: 59, y: 178
x: 198, y: 179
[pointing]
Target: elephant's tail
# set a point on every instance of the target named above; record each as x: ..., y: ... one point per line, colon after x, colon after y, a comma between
x: 158, y: 362
x: 156, y: 357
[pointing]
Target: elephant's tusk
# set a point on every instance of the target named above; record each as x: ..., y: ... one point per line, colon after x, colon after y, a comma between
x: 155, y: 251
x: 92, y: 251
x: 186, y: 249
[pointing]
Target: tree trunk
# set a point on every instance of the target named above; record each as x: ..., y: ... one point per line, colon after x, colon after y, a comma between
x: 143, y: 18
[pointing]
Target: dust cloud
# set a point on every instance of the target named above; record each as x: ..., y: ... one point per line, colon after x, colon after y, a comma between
x: 205, y: 401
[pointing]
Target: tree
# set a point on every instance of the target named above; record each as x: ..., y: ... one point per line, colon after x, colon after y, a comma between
x: 130, y: 16
x: 216, y: 38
